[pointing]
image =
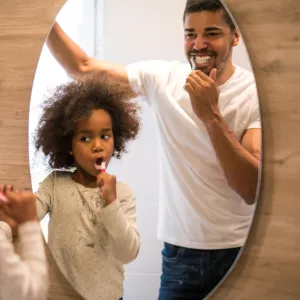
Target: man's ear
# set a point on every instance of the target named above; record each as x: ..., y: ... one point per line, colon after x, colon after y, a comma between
x: 236, y: 37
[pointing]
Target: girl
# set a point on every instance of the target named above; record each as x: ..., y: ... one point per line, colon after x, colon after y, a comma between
x: 23, y: 272
x: 92, y: 228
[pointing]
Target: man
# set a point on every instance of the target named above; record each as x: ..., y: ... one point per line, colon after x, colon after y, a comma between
x: 209, y: 127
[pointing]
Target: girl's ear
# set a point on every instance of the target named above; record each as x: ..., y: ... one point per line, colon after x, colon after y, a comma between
x: 70, y: 152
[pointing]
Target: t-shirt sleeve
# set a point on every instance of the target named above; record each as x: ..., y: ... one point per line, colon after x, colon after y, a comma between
x: 255, y: 117
x: 145, y: 77
x: 44, y: 196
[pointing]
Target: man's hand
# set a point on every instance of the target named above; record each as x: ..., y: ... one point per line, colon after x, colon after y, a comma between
x: 204, y: 94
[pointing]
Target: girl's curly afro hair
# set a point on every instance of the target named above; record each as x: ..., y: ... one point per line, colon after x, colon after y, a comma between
x: 75, y: 101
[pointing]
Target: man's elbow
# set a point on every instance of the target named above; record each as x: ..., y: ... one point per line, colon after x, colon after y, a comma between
x: 251, y: 196
x: 249, y: 200
x: 78, y: 73
x: 80, y: 69
x: 247, y: 194
x: 84, y: 67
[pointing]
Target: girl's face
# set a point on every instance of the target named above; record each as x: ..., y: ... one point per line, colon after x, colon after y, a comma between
x: 93, y: 143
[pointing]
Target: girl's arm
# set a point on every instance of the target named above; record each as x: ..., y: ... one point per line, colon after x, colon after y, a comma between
x: 44, y: 196
x: 119, y: 219
x: 23, y: 276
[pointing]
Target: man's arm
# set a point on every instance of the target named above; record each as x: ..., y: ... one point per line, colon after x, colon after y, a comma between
x: 74, y: 60
x: 240, y: 161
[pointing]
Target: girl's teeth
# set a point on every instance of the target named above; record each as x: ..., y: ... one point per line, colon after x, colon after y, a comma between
x: 97, y: 166
x: 100, y: 165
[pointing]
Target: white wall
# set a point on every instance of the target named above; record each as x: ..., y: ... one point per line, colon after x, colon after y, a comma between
x: 126, y: 31
x: 77, y: 19
x: 137, y: 30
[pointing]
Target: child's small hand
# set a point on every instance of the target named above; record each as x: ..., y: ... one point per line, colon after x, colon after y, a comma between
x: 3, y: 215
x: 6, y: 187
x: 20, y: 206
x: 107, y: 184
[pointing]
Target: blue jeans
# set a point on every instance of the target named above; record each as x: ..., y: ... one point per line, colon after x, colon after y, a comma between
x: 191, y: 274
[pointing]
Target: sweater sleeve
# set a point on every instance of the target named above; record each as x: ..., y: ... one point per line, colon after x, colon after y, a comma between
x: 23, y: 276
x: 44, y: 196
x: 119, y: 219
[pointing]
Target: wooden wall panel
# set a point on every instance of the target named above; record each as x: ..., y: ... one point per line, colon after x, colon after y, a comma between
x: 269, y: 266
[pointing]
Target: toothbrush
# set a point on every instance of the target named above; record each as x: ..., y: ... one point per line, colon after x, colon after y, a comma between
x: 103, y: 166
x: 193, y: 63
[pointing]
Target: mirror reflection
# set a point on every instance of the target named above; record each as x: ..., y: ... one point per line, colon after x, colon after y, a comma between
x: 145, y: 152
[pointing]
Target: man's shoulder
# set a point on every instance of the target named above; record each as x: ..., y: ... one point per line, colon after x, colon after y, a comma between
x: 245, y: 74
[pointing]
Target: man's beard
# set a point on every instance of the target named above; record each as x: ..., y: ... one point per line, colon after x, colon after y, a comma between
x: 207, y: 71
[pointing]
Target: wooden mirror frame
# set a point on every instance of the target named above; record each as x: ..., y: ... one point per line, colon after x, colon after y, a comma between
x: 269, y: 265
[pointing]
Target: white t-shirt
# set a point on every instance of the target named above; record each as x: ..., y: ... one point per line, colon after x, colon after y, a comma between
x: 197, y: 207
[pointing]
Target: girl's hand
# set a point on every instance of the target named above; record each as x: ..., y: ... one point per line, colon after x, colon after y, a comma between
x: 3, y: 215
x: 107, y: 184
x: 20, y: 206
x: 6, y: 187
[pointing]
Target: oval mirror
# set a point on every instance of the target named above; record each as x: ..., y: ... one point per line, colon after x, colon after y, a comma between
x: 187, y: 185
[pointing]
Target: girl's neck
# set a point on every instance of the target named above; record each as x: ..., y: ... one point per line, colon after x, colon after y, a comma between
x: 83, y: 178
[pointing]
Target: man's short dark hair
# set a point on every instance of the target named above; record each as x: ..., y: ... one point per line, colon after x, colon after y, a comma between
x: 193, y: 6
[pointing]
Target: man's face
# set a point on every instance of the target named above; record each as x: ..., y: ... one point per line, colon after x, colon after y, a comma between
x: 208, y: 41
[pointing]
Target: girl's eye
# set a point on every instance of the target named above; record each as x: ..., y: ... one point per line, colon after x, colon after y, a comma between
x: 84, y: 139
x: 105, y: 136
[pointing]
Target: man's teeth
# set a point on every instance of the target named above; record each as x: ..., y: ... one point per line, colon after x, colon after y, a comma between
x: 201, y: 59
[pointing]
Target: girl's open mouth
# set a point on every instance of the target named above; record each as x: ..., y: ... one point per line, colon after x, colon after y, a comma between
x: 100, y: 164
